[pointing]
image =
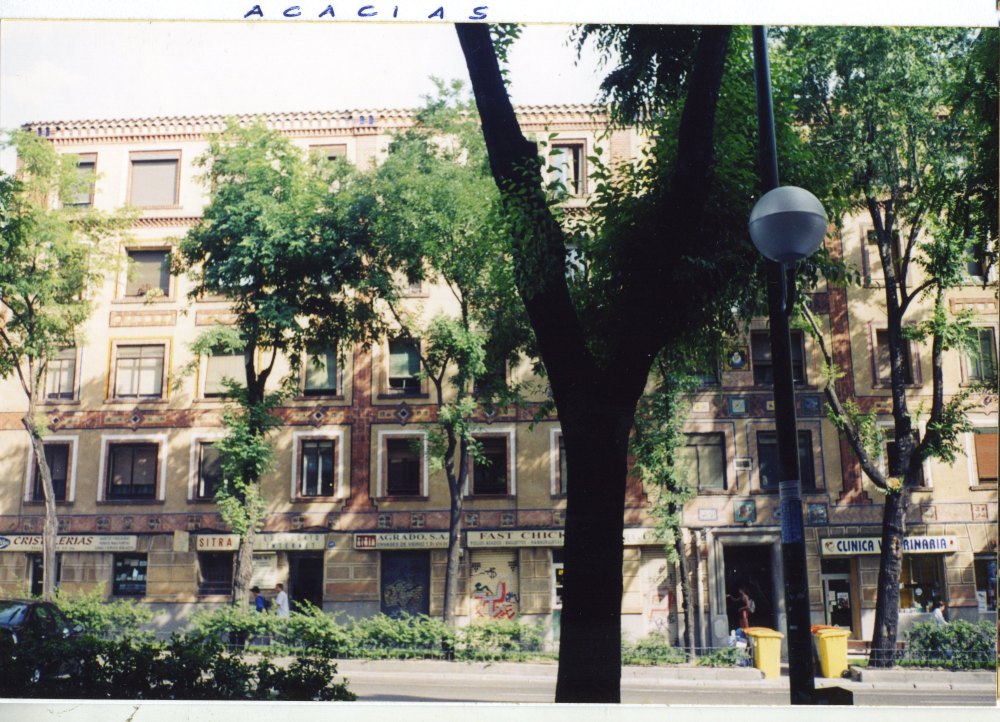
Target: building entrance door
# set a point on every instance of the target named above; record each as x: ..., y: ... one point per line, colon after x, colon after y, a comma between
x: 305, y: 578
x: 749, y: 566
x: 837, y: 601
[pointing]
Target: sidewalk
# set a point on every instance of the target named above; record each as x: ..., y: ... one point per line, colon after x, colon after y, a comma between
x: 684, y: 675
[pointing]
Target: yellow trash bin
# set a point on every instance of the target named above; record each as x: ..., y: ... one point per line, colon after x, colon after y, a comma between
x: 831, y: 644
x: 766, y: 650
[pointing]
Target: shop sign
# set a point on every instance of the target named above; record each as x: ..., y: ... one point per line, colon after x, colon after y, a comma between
x: 217, y: 542
x: 641, y: 537
x: 402, y: 540
x: 70, y: 543
x: 289, y: 541
x: 873, y: 545
x: 519, y: 538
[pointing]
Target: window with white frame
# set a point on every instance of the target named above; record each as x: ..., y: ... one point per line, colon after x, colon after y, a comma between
x: 132, y: 471
x: 317, y: 468
x: 320, y: 374
x: 984, y: 455
x: 209, y: 471
x: 981, y: 355
x: 403, y: 367
x: 403, y: 465
x: 883, y: 359
x: 560, y: 484
x: 83, y: 197
x: 490, y: 474
x: 703, y: 458
x: 890, y: 456
x: 138, y: 371
x: 566, y: 167
x: 155, y: 179
x: 222, y: 368
x: 58, y: 456
x: 147, y: 272
x: 60, y: 375
x: 769, y: 461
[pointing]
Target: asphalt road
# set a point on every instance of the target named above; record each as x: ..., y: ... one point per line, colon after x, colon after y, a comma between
x: 374, y: 684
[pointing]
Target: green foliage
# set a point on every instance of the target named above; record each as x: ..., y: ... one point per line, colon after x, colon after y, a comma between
x: 653, y: 649
x: 865, y: 424
x: 728, y: 657
x: 498, y: 639
x: 107, y: 619
x: 959, y: 645
x: 235, y: 625
x: 408, y: 636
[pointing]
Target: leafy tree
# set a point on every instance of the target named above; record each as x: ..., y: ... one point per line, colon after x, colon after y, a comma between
x: 53, y: 255
x: 878, y: 103
x: 431, y: 218
x: 274, y: 241
x: 666, y: 258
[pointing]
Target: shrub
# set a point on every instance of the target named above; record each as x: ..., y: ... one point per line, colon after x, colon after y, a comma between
x: 728, y: 657
x: 402, y: 637
x: 497, y: 639
x: 236, y: 626
x: 653, y: 649
x: 102, y: 618
x: 959, y: 645
x: 311, y: 629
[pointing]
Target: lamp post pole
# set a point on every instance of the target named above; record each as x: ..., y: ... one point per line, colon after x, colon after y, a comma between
x: 780, y: 276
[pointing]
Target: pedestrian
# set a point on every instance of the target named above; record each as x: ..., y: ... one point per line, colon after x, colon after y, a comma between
x: 258, y: 599
x: 281, y: 600
x: 939, y: 619
x: 746, y: 608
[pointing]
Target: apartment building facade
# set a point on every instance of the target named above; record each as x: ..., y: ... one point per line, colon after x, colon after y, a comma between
x: 357, y: 512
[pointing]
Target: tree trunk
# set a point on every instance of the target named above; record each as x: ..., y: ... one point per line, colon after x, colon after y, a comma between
x: 243, y: 572
x: 453, y: 568
x: 50, y: 530
x: 590, y: 635
x: 883, y: 648
x: 685, y: 592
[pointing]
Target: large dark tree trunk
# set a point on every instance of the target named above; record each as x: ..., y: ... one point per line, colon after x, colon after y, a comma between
x: 883, y: 649
x: 51, y: 528
x: 456, y: 474
x: 595, y: 397
x: 682, y: 572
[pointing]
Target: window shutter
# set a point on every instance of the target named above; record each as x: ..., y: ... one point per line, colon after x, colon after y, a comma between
x: 986, y: 455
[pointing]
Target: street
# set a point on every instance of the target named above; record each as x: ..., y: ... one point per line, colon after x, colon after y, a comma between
x: 423, y: 682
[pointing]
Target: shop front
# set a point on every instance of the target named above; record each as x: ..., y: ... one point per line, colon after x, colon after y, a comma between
x: 404, y: 568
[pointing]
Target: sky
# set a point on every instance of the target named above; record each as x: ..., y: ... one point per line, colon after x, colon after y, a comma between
x: 62, y: 70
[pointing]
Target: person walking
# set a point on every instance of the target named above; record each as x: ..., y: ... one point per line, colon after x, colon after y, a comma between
x: 746, y: 606
x: 281, y: 600
x: 258, y: 599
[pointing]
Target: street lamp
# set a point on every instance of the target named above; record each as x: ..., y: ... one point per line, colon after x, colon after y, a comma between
x: 786, y: 225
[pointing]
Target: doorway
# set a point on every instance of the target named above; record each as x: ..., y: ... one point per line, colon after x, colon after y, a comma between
x: 305, y: 578
x: 37, y: 573
x: 406, y: 581
x: 838, y: 604
x: 749, y: 566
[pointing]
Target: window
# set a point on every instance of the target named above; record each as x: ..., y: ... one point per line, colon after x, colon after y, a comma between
x: 873, y: 260
x: 769, y: 462
x: 490, y: 474
x: 220, y: 368
x: 493, y: 380
x: 60, y: 375
x: 557, y: 578
x: 86, y: 165
x: 148, y: 271
x: 154, y: 182
x: 974, y: 267
x: 985, y: 567
x: 320, y: 374
x: 317, y: 468
x: 129, y: 578
x: 215, y: 572
x: 890, y: 456
x: 706, y: 372
x: 563, y: 482
x: 763, y: 365
x: 985, y: 440
x: 139, y: 372
x: 883, y: 361
x: 209, y: 471
x: 981, y: 355
x: 704, y: 459
x: 38, y: 573
x: 921, y: 584
x: 329, y: 152
x: 566, y: 167
x: 402, y: 466
x: 404, y: 366
x: 132, y: 471
x: 57, y: 456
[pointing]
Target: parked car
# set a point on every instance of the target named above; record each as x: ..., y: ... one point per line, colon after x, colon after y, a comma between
x: 26, y: 623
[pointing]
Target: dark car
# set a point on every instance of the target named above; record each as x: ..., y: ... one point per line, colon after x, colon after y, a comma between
x: 29, y: 624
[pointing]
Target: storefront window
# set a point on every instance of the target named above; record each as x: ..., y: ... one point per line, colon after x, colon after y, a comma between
x: 922, y: 582
x: 557, y: 578
x: 130, y: 575
x: 216, y: 573
x: 986, y: 582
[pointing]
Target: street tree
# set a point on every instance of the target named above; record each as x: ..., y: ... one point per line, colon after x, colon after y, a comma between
x: 879, y: 106
x: 431, y: 218
x: 54, y: 254
x: 666, y: 258
x: 275, y: 241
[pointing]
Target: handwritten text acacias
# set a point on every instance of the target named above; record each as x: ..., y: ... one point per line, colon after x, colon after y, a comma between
x: 364, y: 11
